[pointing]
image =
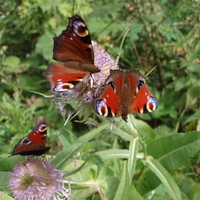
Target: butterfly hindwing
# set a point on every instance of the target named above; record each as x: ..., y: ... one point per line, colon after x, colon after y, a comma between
x: 108, y: 103
x: 34, y: 143
x: 74, y: 43
x: 62, y: 78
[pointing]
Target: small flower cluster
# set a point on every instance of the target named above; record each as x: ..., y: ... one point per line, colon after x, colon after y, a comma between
x: 36, y: 178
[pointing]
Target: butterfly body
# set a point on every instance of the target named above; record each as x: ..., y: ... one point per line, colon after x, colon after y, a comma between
x: 73, y: 49
x: 34, y: 143
x: 125, y: 93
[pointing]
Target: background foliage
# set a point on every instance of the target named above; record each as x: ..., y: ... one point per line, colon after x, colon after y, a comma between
x: 163, y: 34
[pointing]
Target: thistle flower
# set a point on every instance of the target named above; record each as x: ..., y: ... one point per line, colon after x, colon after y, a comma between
x: 35, y: 179
x: 104, y: 62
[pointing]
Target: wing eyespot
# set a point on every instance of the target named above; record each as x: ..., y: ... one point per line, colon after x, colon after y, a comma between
x: 140, y: 84
x: 42, y: 128
x: 26, y: 141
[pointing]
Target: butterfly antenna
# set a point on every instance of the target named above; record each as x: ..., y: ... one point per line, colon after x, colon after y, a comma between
x: 121, y: 45
x: 150, y: 71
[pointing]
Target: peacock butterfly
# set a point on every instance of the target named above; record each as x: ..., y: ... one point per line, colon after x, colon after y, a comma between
x: 125, y: 93
x: 73, y: 49
x: 34, y: 143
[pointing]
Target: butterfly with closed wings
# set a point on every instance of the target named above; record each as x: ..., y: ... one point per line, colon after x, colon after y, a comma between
x: 73, y: 49
x: 34, y: 143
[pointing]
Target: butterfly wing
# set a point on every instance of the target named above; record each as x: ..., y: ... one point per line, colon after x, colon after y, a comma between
x: 74, y: 43
x: 73, y: 47
x: 108, y: 103
x: 62, y: 78
x: 142, y: 101
x: 34, y: 143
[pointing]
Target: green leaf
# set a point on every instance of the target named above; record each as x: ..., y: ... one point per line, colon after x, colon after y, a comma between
x: 164, y: 177
x: 12, y: 64
x: 117, y: 166
x: 85, y: 178
x: 190, y: 189
x: 143, y: 129
x: 4, y: 176
x: 26, y: 82
x: 132, y: 159
x: 172, y: 151
x: 113, y: 153
x: 108, y: 183
x: 126, y: 190
x: 7, y: 163
x: 65, y: 155
x: 193, y: 117
x: 78, y: 168
x: 85, y: 138
x: 44, y: 45
x: 4, y: 196
x: 196, y: 53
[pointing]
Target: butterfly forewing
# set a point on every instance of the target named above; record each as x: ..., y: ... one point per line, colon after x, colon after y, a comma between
x: 74, y: 44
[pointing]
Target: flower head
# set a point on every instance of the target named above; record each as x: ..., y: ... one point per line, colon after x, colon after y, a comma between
x: 36, y: 178
x: 104, y: 62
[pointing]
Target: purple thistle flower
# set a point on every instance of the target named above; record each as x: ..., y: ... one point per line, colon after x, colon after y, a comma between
x: 36, y: 178
x: 104, y: 62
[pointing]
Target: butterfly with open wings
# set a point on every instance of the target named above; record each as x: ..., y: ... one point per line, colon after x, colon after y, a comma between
x: 125, y: 93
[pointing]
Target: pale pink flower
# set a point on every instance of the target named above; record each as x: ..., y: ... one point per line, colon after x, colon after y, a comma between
x: 36, y: 178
